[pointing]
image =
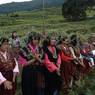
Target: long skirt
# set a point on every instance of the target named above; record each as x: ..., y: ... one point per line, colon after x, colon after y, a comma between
x: 9, y: 76
x: 65, y: 73
x: 86, y: 69
x: 69, y: 71
x: 52, y: 82
x: 32, y: 80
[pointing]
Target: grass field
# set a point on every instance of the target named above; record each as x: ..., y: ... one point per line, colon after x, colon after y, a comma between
x: 54, y: 21
x: 28, y: 21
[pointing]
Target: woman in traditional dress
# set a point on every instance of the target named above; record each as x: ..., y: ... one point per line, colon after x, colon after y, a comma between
x: 51, y: 61
x: 32, y: 77
x: 7, y: 69
x: 87, y: 58
x: 67, y: 68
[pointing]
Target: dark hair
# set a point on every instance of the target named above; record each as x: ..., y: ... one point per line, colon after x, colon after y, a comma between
x: 2, y: 40
x: 73, y: 39
x: 33, y: 37
x: 62, y: 39
x: 13, y: 35
x: 46, y: 43
x: 14, y: 31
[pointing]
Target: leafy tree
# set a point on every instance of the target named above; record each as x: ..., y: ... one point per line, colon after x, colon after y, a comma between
x: 76, y: 9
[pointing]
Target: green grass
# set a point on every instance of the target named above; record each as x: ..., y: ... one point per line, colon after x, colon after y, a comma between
x: 54, y: 21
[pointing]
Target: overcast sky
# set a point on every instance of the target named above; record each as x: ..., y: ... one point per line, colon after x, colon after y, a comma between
x: 8, y: 1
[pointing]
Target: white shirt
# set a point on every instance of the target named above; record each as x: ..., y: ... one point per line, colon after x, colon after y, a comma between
x: 2, y: 79
x: 93, y: 52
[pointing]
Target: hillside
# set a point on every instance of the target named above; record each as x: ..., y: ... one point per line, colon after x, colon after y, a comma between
x: 54, y: 22
x: 28, y: 6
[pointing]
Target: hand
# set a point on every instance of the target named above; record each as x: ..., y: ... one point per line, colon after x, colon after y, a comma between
x: 82, y: 64
x: 8, y: 85
x: 58, y: 71
x: 37, y: 57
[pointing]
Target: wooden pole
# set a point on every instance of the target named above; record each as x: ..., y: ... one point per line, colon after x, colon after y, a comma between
x: 43, y: 16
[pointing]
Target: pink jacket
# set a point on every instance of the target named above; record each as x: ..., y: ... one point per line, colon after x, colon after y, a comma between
x: 50, y: 65
x: 22, y: 61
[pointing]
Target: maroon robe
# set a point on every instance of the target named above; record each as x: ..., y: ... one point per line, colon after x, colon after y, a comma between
x: 6, y: 68
x: 68, y: 67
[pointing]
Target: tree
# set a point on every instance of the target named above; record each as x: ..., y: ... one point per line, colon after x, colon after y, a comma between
x: 76, y: 9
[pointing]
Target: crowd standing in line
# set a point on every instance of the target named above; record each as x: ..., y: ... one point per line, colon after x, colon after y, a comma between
x: 50, y: 64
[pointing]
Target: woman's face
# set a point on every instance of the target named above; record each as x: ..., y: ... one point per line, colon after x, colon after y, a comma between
x: 88, y: 49
x: 4, y: 46
x: 62, y: 46
x: 14, y: 34
x: 66, y: 42
x: 35, y: 42
x: 53, y: 41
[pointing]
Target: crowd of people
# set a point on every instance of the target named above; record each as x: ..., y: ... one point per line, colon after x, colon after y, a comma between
x: 50, y: 64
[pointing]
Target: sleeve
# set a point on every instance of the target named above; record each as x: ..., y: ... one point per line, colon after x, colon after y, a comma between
x: 22, y: 61
x: 49, y: 65
x: 65, y: 58
x: 72, y: 51
x: 16, y: 69
x: 2, y: 79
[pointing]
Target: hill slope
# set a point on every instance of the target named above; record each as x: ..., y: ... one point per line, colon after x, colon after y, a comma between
x: 30, y: 5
